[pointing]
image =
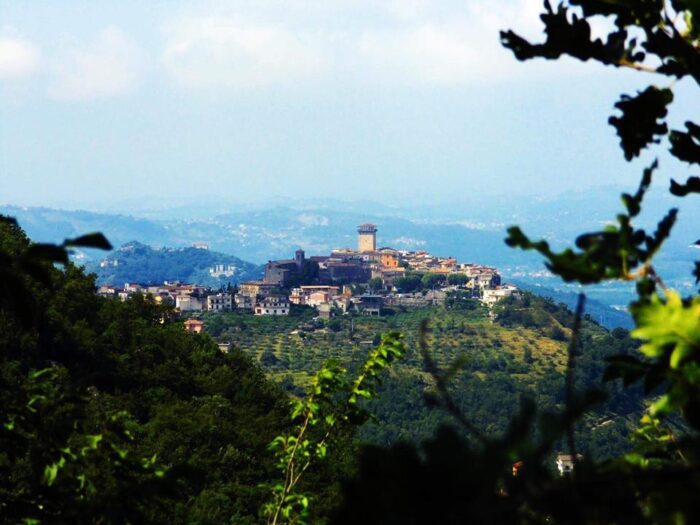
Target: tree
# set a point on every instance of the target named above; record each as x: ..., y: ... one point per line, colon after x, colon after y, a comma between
x: 457, y: 279
x: 408, y: 283
x: 376, y: 284
x: 432, y: 280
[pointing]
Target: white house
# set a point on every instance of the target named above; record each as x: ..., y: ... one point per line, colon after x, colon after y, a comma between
x: 273, y: 305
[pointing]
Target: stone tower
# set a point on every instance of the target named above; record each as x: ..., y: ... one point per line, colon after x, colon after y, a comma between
x: 299, y: 258
x: 367, y: 238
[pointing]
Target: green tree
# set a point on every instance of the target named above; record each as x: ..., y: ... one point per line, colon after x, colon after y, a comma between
x: 457, y: 279
x: 376, y: 284
x: 408, y: 283
x: 433, y: 280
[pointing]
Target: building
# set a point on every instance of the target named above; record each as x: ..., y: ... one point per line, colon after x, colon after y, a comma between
x: 566, y: 463
x: 222, y: 270
x: 189, y: 302
x: 273, y: 305
x: 286, y: 273
x: 369, y: 304
x: 256, y: 288
x: 367, y: 238
x: 244, y: 302
x: 325, y: 311
x: 220, y: 302
x: 302, y: 294
x: 193, y: 325
x: 490, y: 296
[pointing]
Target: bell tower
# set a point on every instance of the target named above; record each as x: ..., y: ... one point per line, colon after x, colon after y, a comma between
x: 367, y: 238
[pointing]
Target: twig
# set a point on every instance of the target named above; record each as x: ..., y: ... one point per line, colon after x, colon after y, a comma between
x: 570, y: 366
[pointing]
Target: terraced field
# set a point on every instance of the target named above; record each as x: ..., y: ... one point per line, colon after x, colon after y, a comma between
x: 296, y: 346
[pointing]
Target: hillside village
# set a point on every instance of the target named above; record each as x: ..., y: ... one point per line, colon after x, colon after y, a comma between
x: 365, y: 280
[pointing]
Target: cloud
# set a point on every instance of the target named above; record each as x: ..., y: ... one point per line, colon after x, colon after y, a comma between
x: 229, y: 52
x: 19, y: 58
x: 112, y: 65
x: 396, y: 42
x: 452, y: 47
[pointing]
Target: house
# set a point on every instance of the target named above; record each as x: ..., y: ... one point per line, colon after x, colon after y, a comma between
x: 490, y: 296
x: 369, y: 304
x: 318, y: 298
x: 325, y: 311
x: 189, y: 302
x: 256, y: 289
x: 566, y: 462
x: 193, y: 325
x: 273, y: 305
x: 220, y: 302
x: 244, y: 302
x: 107, y: 291
x: 303, y: 294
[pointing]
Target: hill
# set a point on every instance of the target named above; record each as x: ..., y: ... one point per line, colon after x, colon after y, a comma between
x: 605, y: 315
x: 523, y: 352
x: 136, y: 262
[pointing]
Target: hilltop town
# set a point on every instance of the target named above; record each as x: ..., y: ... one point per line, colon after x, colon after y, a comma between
x: 366, y: 280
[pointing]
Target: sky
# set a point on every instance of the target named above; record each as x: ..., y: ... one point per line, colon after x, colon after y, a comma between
x: 112, y: 104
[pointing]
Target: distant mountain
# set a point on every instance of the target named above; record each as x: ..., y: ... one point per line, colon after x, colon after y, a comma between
x: 139, y: 263
x: 53, y: 225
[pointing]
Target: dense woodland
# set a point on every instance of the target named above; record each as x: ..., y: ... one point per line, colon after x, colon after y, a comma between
x: 140, y: 263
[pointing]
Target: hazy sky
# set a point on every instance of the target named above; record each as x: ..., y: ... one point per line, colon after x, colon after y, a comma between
x: 115, y: 102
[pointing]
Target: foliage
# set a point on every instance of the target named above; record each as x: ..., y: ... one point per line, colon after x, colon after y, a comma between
x: 411, y: 282
x: 143, y: 264
x: 457, y: 279
x: 375, y: 284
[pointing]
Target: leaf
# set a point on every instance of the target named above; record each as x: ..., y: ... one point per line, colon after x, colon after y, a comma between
x: 669, y: 327
x: 685, y: 145
x: 90, y: 240
x: 628, y: 368
x: 639, y: 125
x: 47, y: 252
x: 633, y: 202
x: 692, y: 185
